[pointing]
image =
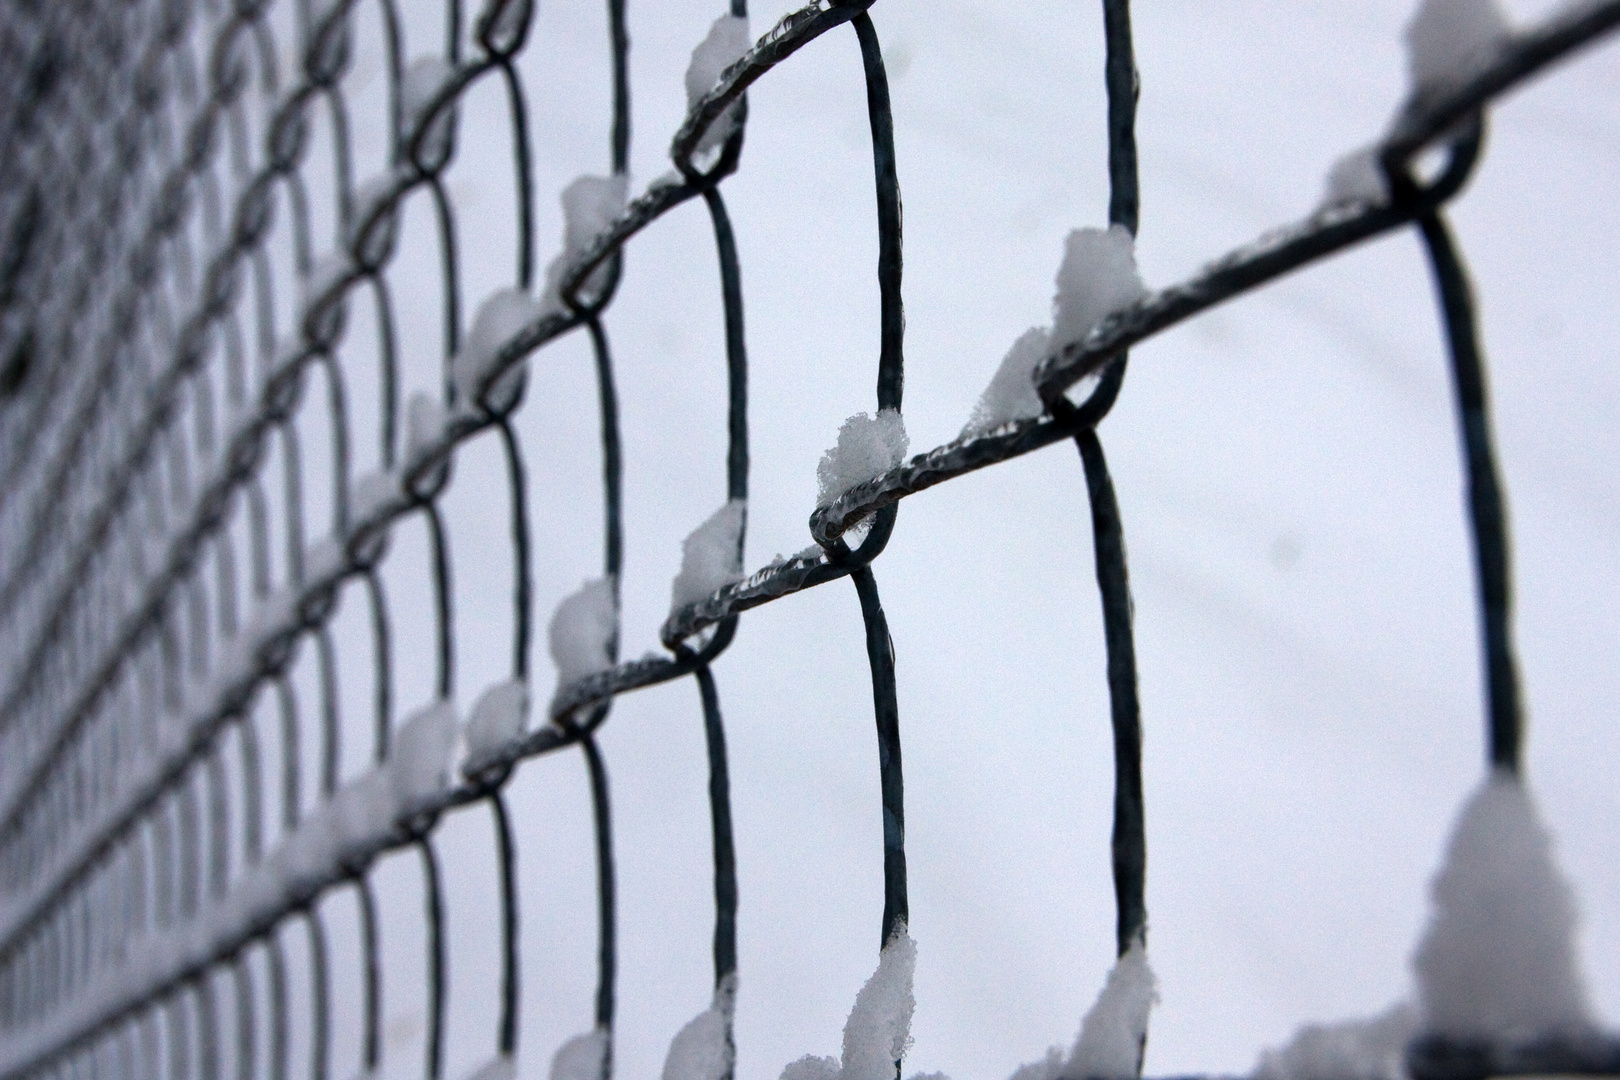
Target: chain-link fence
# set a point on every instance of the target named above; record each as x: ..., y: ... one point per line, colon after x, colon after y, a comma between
x: 201, y: 468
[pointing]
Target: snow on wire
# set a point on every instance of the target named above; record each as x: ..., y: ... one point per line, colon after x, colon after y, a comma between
x: 150, y: 398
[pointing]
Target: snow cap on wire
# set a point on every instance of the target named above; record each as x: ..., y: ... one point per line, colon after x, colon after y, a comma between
x: 1097, y: 278
x: 590, y: 204
x: 703, y: 1049
x: 500, y: 318
x: 868, y: 447
x: 584, y: 1057
x: 878, y: 1031
x: 711, y: 557
x: 1448, y: 40
x: 1498, y: 959
x: 728, y: 39
x: 1011, y: 394
x: 583, y: 630
x: 1373, y: 1048
x: 1114, y: 1031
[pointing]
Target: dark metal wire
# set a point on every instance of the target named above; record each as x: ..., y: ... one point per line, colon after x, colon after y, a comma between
x: 158, y: 581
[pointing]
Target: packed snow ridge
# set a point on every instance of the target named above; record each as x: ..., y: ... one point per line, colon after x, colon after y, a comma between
x: 711, y: 557
x: 868, y: 447
x: 1449, y: 40
x: 1496, y: 962
x: 1113, y: 1033
x: 728, y: 39
x: 1097, y: 278
x: 703, y: 1049
x: 583, y: 631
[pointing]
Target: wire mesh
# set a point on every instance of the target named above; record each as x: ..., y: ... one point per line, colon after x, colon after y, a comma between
x: 174, y: 805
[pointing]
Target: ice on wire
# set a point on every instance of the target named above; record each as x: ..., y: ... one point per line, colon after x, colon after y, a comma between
x: 711, y: 557
x: 1365, y: 1049
x: 1449, y: 40
x: 703, y: 1050
x: 500, y: 317
x: 868, y: 447
x: 590, y: 204
x: 878, y: 1031
x: 499, y: 716
x: 1114, y: 1031
x: 584, y: 1057
x: 582, y: 631
x: 1498, y: 958
x: 728, y: 39
x: 1011, y: 394
x: 1097, y: 278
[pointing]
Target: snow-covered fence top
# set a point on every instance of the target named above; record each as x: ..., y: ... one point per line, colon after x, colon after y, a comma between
x: 253, y: 347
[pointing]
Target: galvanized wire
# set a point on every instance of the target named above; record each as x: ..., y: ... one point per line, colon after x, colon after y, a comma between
x: 151, y: 402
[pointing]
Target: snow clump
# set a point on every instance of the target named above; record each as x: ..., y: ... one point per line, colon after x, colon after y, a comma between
x: 1369, y: 1049
x: 868, y: 447
x: 417, y: 89
x: 590, y: 204
x: 1098, y: 277
x: 500, y: 317
x: 1448, y: 40
x: 583, y: 630
x: 1498, y: 959
x: 499, y: 716
x: 878, y: 1031
x: 584, y: 1057
x: 711, y: 557
x: 419, y: 761
x: 703, y: 1050
x: 1113, y: 1033
x: 727, y: 41
x: 1011, y: 394
x: 1358, y: 177
x: 424, y: 424
x: 503, y: 1067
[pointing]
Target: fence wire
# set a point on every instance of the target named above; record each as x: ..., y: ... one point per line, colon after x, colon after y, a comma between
x: 162, y: 852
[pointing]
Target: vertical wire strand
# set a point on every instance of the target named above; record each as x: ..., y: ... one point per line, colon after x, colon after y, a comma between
x: 371, y: 978
x: 1487, y: 515
x: 606, y: 889
x: 725, y: 854
x: 511, y: 986
x: 891, y: 360
x: 436, y: 958
x: 886, y: 709
x: 1129, y: 840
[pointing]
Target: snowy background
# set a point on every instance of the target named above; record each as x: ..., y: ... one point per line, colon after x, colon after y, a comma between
x: 1288, y: 473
